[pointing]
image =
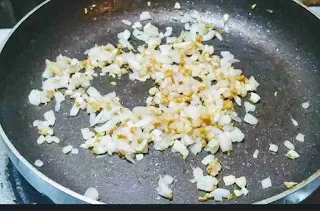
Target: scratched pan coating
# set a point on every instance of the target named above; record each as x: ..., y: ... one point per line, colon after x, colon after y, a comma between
x: 280, y: 49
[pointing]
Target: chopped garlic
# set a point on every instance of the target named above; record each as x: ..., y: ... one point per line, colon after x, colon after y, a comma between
x: 273, y: 148
x: 290, y: 184
x: 38, y: 163
x: 300, y: 137
x: 266, y: 183
x: 292, y: 154
x: 229, y: 180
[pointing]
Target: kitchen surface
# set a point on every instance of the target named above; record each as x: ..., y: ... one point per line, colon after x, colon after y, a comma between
x: 15, y: 189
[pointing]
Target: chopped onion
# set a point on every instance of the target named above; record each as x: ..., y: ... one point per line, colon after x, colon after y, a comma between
x: 50, y: 117
x: 305, y: 105
x: 266, y: 183
x: 294, y: 122
x: 273, y: 148
x: 139, y: 157
x: 256, y: 153
x: 290, y: 184
x: 220, y: 193
x: 126, y: 22
x: 177, y: 6
x: 182, y: 149
x: 244, y: 191
x: 35, y: 97
x: 145, y: 16
x: 75, y: 151
x: 41, y: 140
x: 241, y: 182
x: 38, y: 163
x: 229, y: 180
x: 237, y: 193
x: 250, y: 119
x: 207, y: 160
x: 67, y: 149
x: 196, y: 148
x: 206, y: 183
x: 254, y: 98
x: 249, y: 107
x: 92, y: 193
x: 289, y: 145
x: 300, y: 137
x: 163, y: 187
x: 225, y: 142
x: 292, y: 154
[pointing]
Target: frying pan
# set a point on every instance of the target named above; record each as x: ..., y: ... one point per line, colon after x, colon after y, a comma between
x: 280, y: 49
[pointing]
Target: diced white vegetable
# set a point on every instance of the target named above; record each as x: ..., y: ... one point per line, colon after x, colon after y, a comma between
x: 179, y: 147
x: 292, y: 154
x: 196, y: 148
x: 289, y: 145
x: 290, y: 184
x: 208, y: 159
x: 50, y: 117
x: 250, y: 119
x: 74, y: 110
x: 86, y: 133
x: 266, y: 183
x: 177, y: 6
x: 241, y: 182
x: 220, y: 193
x: 229, y: 180
x: 244, y: 191
x: 126, y: 22
x: 93, y: 92
x: 139, y: 157
x: 59, y: 97
x: 256, y: 153
x: 149, y: 3
x: 300, y: 137
x: 145, y: 16
x: 249, y: 107
x: 225, y: 18
x: 92, y: 193
x: 273, y: 148
x: 225, y: 142
x: 305, y: 105
x: 35, y: 97
x: 163, y: 187
x: 206, y: 183
x: 237, y: 193
x: 75, y: 151
x: 41, y: 140
x: 254, y: 98
x: 38, y: 163
x: 67, y: 149
x: 294, y: 122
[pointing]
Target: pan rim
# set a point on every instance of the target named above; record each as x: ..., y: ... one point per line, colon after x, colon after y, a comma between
x: 80, y: 197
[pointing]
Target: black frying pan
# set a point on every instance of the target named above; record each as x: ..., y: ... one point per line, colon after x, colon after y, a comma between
x: 281, y: 49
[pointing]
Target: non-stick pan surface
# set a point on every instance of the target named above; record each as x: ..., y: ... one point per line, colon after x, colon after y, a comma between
x: 280, y: 49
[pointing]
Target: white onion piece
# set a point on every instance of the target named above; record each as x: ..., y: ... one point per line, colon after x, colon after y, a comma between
x: 35, y: 97
x: 249, y: 107
x: 241, y: 182
x: 163, y: 186
x: 254, y: 98
x: 305, y: 105
x: 244, y: 191
x: 208, y: 159
x: 225, y: 18
x: 229, y: 180
x: 67, y: 149
x: 256, y: 153
x: 50, y: 117
x: 92, y: 193
x: 266, y: 183
x: 145, y: 16
x: 300, y: 137
x: 289, y: 145
x: 196, y: 148
x: 75, y: 151
x: 237, y: 193
x: 139, y: 157
x: 225, y: 142
x: 273, y: 148
x: 177, y: 6
x: 250, y: 119
x: 59, y: 97
x: 294, y: 122
x: 86, y: 133
x: 38, y: 163
x: 292, y: 154
x: 206, y: 183
x: 126, y: 22
x: 220, y: 193
x: 41, y: 140
x: 182, y: 149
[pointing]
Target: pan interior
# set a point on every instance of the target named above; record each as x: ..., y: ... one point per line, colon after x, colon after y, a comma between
x: 280, y: 49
